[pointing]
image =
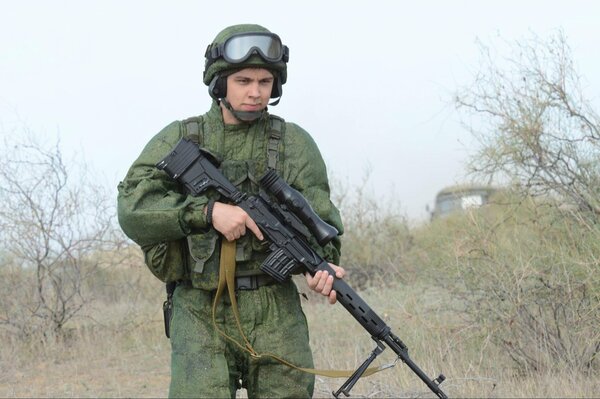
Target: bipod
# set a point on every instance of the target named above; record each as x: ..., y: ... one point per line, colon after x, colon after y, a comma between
x: 347, y: 386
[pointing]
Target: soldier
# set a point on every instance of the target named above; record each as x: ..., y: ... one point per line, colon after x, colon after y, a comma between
x: 181, y: 235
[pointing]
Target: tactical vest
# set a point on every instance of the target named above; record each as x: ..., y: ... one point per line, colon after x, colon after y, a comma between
x: 193, y: 131
x: 203, y: 248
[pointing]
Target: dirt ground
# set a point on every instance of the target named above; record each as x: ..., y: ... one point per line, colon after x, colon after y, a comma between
x: 129, y: 375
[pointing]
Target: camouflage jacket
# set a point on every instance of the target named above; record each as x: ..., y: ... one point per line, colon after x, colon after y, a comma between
x: 170, y: 226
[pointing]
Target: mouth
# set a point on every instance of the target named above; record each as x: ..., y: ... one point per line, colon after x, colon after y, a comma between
x: 251, y: 107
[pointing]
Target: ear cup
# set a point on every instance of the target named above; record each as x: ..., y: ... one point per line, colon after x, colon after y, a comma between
x: 218, y: 87
x: 277, y: 88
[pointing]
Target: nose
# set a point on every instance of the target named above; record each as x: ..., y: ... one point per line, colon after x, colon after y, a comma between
x: 254, y: 90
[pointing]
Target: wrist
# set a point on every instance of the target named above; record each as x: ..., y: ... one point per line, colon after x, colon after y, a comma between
x: 209, y: 211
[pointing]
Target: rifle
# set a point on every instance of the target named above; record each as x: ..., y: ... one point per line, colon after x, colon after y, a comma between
x: 288, y: 224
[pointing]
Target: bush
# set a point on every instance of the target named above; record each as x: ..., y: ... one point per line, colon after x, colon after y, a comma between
x: 528, y: 275
x: 376, y: 237
x: 57, y: 225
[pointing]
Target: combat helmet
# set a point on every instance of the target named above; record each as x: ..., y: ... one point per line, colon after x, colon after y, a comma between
x: 243, y: 46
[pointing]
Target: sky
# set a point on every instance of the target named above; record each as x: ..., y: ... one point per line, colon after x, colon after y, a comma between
x: 372, y: 82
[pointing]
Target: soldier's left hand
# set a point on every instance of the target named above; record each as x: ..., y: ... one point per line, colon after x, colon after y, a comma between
x: 322, y: 282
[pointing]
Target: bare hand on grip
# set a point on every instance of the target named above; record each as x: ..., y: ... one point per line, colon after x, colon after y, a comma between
x: 232, y: 221
x: 322, y: 282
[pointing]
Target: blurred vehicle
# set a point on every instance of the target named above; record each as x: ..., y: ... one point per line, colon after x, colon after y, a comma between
x: 460, y: 198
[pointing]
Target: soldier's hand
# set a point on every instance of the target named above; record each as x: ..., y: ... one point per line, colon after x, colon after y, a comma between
x: 322, y: 282
x: 232, y: 221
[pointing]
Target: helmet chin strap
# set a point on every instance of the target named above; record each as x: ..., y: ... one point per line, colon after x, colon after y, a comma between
x: 244, y: 116
x: 273, y: 103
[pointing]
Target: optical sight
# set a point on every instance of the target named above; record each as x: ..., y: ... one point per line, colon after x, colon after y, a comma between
x: 296, y: 203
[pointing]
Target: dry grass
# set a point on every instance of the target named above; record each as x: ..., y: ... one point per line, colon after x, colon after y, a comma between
x: 118, y: 349
x: 131, y: 359
x: 438, y: 343
x: 103, y: 358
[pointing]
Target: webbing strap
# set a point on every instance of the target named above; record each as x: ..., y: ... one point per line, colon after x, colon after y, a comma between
x: 274, y: 137
x: 194, y: 132
x: 193, y: 129
x: 227, y: 280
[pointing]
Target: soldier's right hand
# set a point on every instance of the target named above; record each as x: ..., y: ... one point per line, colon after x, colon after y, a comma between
x: 232, y: 221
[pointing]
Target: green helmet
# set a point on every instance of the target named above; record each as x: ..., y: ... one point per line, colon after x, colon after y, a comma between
x: 244, y: 46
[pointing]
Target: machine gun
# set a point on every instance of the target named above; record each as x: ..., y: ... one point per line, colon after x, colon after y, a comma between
x: 288, y: 223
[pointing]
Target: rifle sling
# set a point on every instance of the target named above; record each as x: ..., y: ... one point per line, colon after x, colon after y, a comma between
x: 227, y: 281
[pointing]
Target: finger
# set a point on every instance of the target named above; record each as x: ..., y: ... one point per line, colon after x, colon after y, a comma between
x: 340, y: 272
x: 313, y: 280
x: 254, y: 228
x: 328, y: 285
x: 332, y: 297
x: 309, y: 280
x: 322, y: 281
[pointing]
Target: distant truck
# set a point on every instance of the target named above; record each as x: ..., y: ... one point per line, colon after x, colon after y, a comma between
x: 460, y: 198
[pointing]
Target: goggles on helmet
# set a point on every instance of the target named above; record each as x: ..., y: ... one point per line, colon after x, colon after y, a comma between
x: 238, y: 48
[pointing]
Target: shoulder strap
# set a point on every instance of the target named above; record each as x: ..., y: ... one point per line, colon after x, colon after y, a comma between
x: 227, y: 283
x: 276, y: 128
x: 193, y: 129
x: 193, y: 132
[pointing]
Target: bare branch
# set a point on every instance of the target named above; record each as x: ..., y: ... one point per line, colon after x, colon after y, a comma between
x: 55, y: 221
x: 533, y: 123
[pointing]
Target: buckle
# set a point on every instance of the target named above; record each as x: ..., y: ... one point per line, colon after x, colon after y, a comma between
x: 252, y: 282
x: 246, y: 283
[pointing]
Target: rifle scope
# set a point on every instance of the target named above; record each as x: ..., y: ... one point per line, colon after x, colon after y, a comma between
x: 296, y: 203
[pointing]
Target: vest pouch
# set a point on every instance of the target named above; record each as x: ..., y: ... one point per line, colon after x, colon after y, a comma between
x: 243, y: 174
x: 167, y: 260
x: 203, y: 259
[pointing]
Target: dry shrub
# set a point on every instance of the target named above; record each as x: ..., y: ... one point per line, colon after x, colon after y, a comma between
x: 57, y: 225
x: 527, y: 274
x: 376, y: 236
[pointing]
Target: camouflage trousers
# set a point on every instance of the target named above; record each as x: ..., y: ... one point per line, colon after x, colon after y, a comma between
x: 204, y: 364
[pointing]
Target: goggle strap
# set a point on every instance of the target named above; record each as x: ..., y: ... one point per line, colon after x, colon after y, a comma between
x: 215, y: 52
x: 286, y: 54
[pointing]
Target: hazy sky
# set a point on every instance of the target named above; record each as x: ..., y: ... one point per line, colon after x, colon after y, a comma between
x: 371, y: 81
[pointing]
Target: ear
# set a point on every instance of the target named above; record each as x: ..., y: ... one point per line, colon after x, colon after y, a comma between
x: 217, y: 88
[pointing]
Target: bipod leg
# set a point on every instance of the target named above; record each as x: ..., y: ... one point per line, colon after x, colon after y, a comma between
x: 347, y: 386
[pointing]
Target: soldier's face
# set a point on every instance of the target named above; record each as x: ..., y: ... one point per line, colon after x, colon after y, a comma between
x: 249, y: 89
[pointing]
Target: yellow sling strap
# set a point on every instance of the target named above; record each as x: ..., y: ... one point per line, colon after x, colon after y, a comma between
x: 227, y: 279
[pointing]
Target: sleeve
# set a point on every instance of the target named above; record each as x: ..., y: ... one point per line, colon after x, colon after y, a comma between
x: 305, y: 170
x: 151, y: 207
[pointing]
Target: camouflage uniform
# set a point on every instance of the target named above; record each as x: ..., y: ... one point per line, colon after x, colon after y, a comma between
x: 178, y: 244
